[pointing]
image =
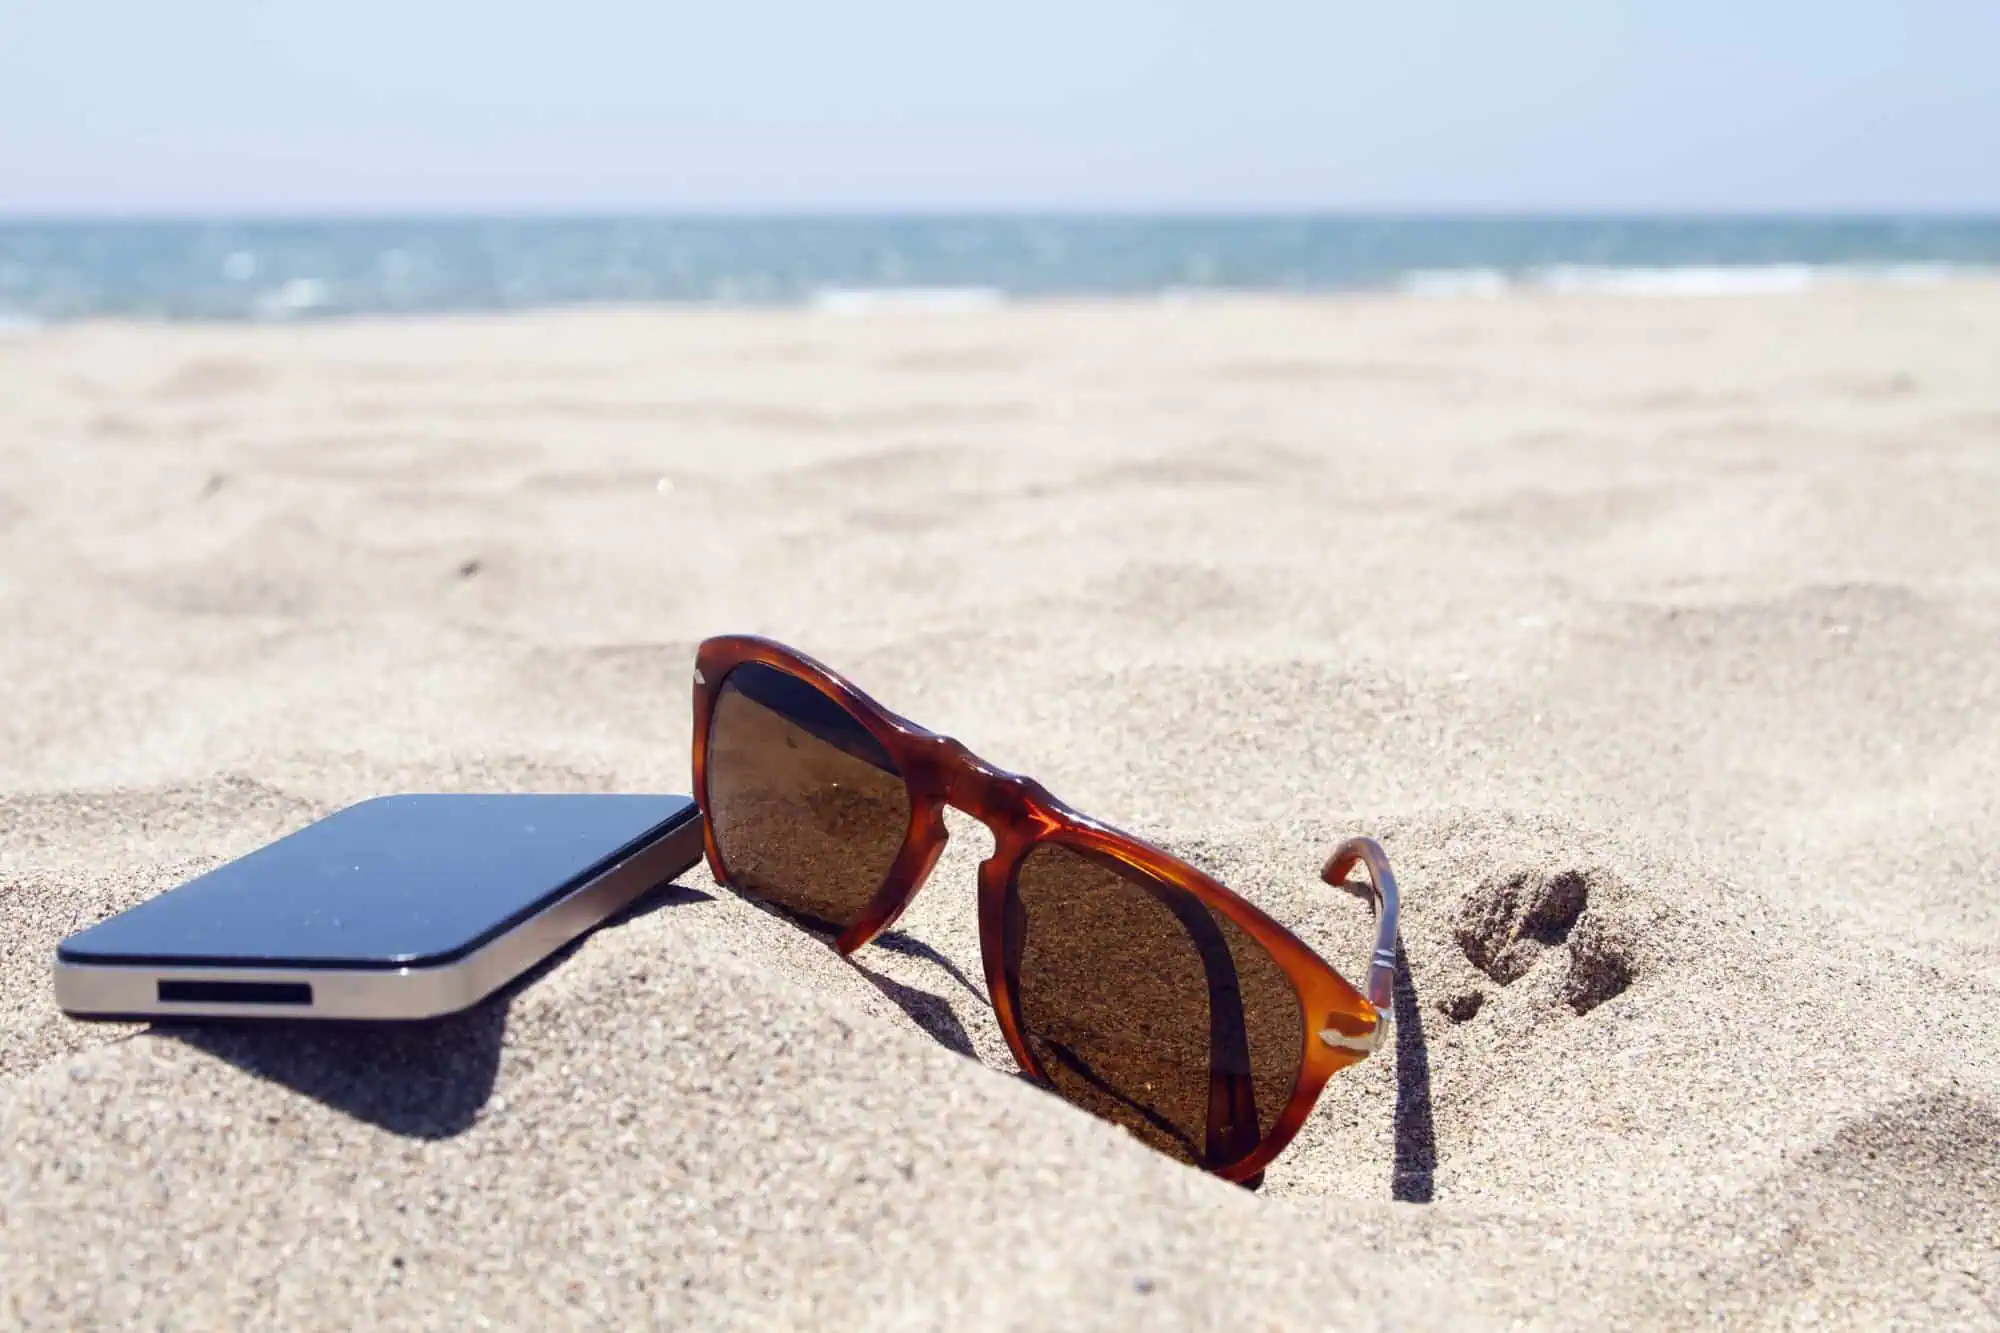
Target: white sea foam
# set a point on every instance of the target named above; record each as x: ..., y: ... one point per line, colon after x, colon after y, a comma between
x: 1679, y: 280
x: 293, y: 298
x: 890, y: 300
x: 1672, y: 280
x: 1174, y: 295
x: 12, y: 324
x: 1456, y: 282
x: 1918, y: 274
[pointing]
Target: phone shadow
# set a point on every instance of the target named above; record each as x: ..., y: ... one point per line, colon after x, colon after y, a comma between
x: 423, y: 1078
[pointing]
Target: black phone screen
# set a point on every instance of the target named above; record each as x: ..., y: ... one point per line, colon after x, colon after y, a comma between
x: 398, y: 881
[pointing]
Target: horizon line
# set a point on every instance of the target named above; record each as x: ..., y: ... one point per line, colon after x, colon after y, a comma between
x: 906, y: 213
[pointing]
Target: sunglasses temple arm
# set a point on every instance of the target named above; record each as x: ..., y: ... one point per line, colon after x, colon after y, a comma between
x: 1381, y: 891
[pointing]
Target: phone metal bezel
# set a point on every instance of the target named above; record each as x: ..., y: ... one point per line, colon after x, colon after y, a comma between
x: 130, y: 992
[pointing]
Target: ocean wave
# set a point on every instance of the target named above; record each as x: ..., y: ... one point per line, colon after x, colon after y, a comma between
x: 300, y: 270
x: 888, y: 300
x: 1679, y: 280
x: 296, y: 297
x: 1455, y: 282
x: 1919, y: 274
x: 1674, y: 279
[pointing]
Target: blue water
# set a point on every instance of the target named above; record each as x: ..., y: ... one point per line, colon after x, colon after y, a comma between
x: 54, y: 271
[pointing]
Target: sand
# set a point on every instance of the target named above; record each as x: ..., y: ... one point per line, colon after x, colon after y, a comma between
x: 1681, y: 613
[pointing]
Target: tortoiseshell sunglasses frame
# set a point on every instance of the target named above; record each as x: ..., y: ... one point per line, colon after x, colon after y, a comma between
x: 1343, y: 1025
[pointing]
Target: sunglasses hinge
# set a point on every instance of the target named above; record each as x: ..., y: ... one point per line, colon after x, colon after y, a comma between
x: 1367, y: 1043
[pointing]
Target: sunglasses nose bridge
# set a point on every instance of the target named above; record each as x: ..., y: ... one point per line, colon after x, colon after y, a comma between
x: 973, y: 787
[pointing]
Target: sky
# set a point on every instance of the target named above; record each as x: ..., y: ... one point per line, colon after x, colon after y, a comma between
x: 586, y: 106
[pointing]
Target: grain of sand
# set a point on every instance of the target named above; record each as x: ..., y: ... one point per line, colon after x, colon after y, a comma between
x: 1658, y: 640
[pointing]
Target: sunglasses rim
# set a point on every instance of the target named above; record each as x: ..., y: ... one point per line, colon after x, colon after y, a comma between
x: 938, y: 771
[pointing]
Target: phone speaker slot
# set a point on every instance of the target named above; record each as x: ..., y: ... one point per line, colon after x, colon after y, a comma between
x: 235, y: 992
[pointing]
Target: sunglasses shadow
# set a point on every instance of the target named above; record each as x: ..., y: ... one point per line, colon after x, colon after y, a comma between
x: 895, y: 941
x: 1411, y: 1179
x: 420, y: 1078
x: 931, y: 1013
x: 1413, y: 1176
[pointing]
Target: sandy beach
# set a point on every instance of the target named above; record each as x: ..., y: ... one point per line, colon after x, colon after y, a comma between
x: 1690, y: 605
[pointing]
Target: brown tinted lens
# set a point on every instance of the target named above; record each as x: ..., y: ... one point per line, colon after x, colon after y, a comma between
x: 808, y: 809
x: 1146, y: 1008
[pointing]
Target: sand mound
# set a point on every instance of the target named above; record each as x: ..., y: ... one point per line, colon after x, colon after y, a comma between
x: 704, y: 1139
x: 1661, y: 664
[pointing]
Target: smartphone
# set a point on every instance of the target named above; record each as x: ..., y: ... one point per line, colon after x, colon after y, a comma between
x: 400, y: 907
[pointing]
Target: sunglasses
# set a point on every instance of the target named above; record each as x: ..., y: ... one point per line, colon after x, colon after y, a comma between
x: 1125, y: 980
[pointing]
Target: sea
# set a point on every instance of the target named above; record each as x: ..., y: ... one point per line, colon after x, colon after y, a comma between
x: 52, y: 271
